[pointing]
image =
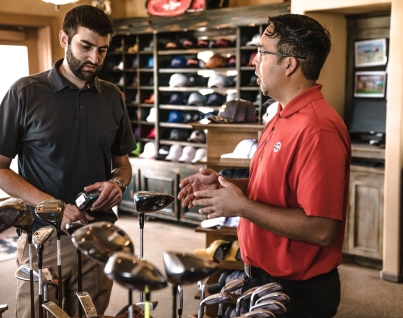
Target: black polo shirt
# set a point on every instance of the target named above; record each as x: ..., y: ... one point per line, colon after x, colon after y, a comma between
x: 64, y: 136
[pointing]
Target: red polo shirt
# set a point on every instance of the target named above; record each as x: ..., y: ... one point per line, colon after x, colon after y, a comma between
x: 302, y: 161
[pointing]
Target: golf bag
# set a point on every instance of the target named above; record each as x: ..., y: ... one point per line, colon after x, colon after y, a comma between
x: 171, y: 8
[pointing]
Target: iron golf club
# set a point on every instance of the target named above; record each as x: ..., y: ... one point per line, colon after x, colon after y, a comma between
x: 264, y: 290
x: 261, y: 313
x: 241, y: 299
x: 274, y: 306
x: 279, y: 296
x: 228, y: 288
x: 213, y: 299
x: 51, y: 211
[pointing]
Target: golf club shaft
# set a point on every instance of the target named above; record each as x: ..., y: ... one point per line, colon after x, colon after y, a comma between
x: 31, y: 278
x: 79, y: 282
x: 174, y: 299
x: 147, y: 309
x: 40, y: 288
x: 141, y: 223
x: 59, y: 269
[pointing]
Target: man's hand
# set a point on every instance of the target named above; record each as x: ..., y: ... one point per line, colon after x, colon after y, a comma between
x: 110, y: 196
x: 228, y: 201
x: 72, y: 214
x: 206, y: 179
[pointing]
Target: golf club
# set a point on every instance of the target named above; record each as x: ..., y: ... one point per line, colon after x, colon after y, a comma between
x: 180, y: 303
x: 24, y: 223
x: 264, y: 290
x: 71, y: 227
x: 137, y: 274
x: 279, y: 296
x: 213, y: 299
x: 185, y: 268
x: 149, y: 202
x: 228, y: 288
x: 51, y: 211
x: 99, y: 240
x: 55, y: 310
x: 273, y: 305
x: 9, y: 213
x: 241, y: 299
x: 3, y: 308
x: 261, y: 313
x: 202, y: 287
x: 41, y: 239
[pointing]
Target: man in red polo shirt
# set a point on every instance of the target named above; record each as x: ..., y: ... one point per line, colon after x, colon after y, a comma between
x: 293, y: 206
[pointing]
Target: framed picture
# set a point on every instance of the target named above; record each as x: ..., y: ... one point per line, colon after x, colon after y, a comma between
x: 370, y: 53
x: 370, y: 84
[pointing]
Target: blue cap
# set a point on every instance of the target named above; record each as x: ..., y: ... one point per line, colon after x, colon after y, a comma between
x: 216, y: 99
x: 177, y: 99
x: 175, y: 116
x: 178, y: 61
x: 150, y: 62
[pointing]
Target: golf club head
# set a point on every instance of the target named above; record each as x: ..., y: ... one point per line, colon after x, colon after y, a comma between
x: 133, y: 273
x: 22, y: 273
x: 279, y: 296
x: 186, y: 268
x: 99, y: 240
x: 51, y: 211
x: 85, y: 200
x: 71, y: 227
x: 274, y: 306
x: 233, y: 285
x: 43, y: 237
x: 148, y: 201
x: 14, y: 212
x: 261, y: 313
x: 244, y: 296
x: 264, y: 290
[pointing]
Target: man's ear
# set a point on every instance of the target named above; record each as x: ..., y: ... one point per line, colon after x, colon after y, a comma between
x: 63, y: 39
x: 292, y: 65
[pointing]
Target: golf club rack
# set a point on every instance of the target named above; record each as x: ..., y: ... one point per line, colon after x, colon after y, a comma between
x: 109, y: 245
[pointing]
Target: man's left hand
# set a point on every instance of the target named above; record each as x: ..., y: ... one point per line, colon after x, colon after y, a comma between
x: 110, y: 196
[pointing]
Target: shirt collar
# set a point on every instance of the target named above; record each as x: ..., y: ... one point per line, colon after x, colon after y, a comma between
x: 59, y: 82
x: 302, y: 100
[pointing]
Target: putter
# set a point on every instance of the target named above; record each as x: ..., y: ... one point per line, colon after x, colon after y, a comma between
x: 241, y: 299
x: 99, y: 240
x: 261, y: 313
x: 273, y: 305
x: 279, y: 296
x: 264, y: 290
x: 149, y: 202
x: 55, y: 310
x: 24, y: 223
x: 213, y: 299
x: 51, y: 211
x: 41, y: 239
x: 137, y: 274
x: 88, y: 305
x: 228, y: 288
x: 71, y: 227
x: 185, y: 268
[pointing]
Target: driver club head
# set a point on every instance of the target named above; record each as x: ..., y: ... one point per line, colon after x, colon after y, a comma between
x: 133, y: 273
x: 51, y: 211
x: 148, y: 201
x: 43, y: 237
x: 14, y: 212
x: 99, y: 240
x: 186, y: 268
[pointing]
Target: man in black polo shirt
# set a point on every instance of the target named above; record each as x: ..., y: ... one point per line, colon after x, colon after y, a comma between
x: 71, y: 133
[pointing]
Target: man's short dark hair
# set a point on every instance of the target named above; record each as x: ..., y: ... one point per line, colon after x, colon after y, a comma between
x: 300, y: 35
x: 88, y: 17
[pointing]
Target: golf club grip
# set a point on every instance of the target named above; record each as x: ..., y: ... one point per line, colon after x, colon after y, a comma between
x: 79, y: 282
x: 59, y: 271
x: 31, y: 279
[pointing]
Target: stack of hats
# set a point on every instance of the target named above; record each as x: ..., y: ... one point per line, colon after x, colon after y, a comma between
x: 236, y: 111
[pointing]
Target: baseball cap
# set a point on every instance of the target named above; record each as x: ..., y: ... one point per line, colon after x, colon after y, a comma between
x: 271, y: 111
x: 202, y: 43
x: 193, y: 62
x: 231, y: 62
x: 177, y: 99
x: 196, y: 80
x: 221, y: 43
x: 216, y: 99
x: 134, y: 62
x: 173, y: 44
x: 255, y: 40
x: 234, y: 253
x: 189, y: 117
x: 150, y: 100
x: 175, y: 116
x: 188, y: 154
x: 237, y: 110
x: 252, y: 56
x: 152, y: 116
x: 174, y: 153
x: 134, y: 48
x: 150, y: 46
x: 151, y: 134
x: 244, y: 150
x: 119, y: 67
x: 196, y: 99
x: 178, y: 80
x: 197, y: 136
x: 150, y: 62
x: 178, y: 134
x: 253, y: 80
x: 216, y: 251
x: 149, y: 151
x: 200, y: 154
x: 162, y: 153
x: 230, y: 96
x: 216, y: 80
x: 179, y: 61
x: 189, y: 43
x: 136, y: 152
x: 216, y: 60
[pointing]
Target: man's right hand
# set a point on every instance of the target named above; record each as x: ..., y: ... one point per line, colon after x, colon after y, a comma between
x: 206, y: 179
x: 73, y: 214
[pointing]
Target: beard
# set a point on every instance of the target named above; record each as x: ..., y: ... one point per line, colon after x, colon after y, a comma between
x: 77, y: 67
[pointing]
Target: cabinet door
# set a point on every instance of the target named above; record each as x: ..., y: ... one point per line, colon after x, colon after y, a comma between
x: 365, y: 213
x: 127, y: 203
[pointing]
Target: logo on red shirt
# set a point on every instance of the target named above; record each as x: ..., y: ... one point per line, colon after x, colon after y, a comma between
x: 277, y: 147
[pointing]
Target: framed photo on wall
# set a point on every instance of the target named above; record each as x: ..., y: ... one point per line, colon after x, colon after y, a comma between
x: 370, y: 84
x: 370, y: 53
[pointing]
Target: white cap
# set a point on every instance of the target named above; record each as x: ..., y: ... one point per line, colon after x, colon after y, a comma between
x: 149, y: 151
x: 197, y: 136
x: 178, y: 80
x: 244, y: 150
x: 188, y: 154
x: 231, y: 96
x: 200, y: 154
x: 271, y: 111
x: 216, y: 80
x: 152, y: 116
x: 174, y: 153
x: 120, y: 66
x: 255, y: 40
